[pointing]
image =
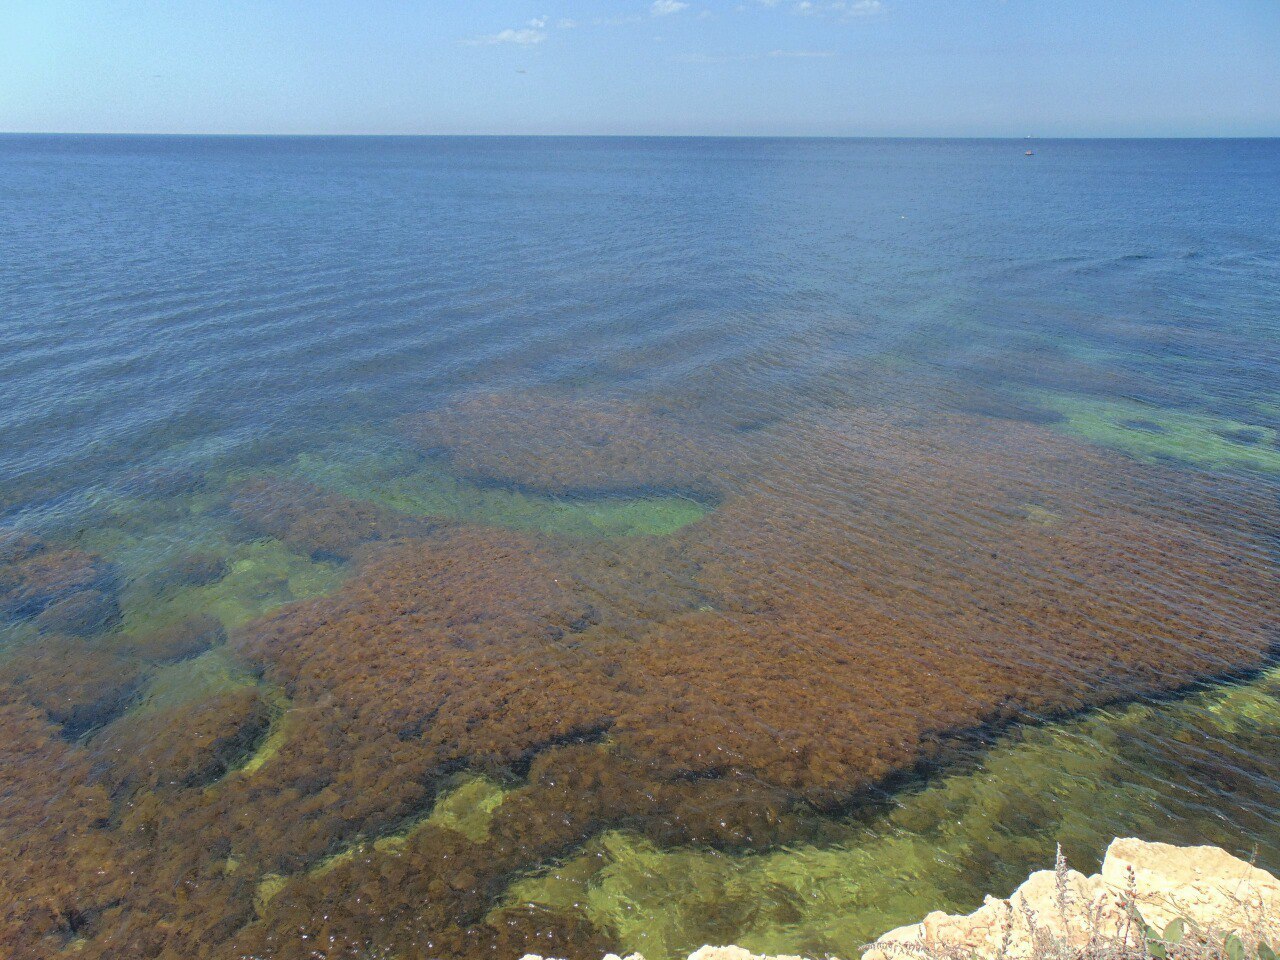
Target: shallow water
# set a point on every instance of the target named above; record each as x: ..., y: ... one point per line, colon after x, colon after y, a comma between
x: 461, y: 548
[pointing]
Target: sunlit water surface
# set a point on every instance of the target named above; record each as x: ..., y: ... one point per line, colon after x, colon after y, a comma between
x: 457, y: 548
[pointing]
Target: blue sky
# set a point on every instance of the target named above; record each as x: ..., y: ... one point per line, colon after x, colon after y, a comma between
x: 820, y: 67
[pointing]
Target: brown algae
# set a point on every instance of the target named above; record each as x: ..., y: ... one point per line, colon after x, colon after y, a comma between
x: 374, y: 725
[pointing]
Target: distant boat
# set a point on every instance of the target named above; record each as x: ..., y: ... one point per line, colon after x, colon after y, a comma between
x: 1029, y: 153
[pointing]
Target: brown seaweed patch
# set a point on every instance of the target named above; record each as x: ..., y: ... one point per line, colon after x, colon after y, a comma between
x: 38, y: 575
x: 433, y: 889
x: 563, y: 445
x: 178, y: 641
x: 884, y: 584
x: 843, y: 645
x: 218, y: 733
x: 313, y: 522
x: 81, y: 614
x: 56, y: 860
x: 77, y: 685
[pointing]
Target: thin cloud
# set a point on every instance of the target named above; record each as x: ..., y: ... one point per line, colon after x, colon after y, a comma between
x: 533, y: 32
x: 524, y: 37
x: 662, y: 8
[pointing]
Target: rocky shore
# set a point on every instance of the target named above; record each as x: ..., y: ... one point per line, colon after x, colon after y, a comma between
x: 1198, y: 899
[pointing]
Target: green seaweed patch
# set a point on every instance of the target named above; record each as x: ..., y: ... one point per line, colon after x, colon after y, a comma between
x: 941, y: 846
x: 1040, y: 515
x: 199, y: 678
x: 667, y: 903
x: 1158, y: 434
x: 268, y: 887
x: 261, y: 576
x: 468, y: 807
x: 404, y: 483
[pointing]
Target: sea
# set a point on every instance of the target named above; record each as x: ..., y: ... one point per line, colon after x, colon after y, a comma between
x: 419, y: 547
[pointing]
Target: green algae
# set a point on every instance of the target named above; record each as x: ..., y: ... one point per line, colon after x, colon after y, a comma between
x: 469, y: 807
x: 199, y: 678
x: 1040, y: 515
x: 465, y: 806
x: 407, y: 484
x: 268, y: 887
x: 1145, y: 770
x: 1158, y: 433
x: 261, y: 576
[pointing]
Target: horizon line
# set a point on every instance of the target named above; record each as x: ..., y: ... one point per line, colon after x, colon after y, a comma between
x: 635, y: 136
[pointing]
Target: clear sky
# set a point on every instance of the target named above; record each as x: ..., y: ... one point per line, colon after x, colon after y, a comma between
x: 822, y: 67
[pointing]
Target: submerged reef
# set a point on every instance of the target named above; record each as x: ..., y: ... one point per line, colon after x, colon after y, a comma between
x: 559, y: 444
x: 35, y: 576
x: 877, y: 592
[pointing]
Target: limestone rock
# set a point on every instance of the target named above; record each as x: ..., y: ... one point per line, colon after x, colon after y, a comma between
x: 1205, y: 886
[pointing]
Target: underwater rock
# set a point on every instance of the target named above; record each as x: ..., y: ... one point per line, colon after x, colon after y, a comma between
x: 82, y: 614
x: 311, y: 521
x: 40, y: 575
x: 563, y: 445
x: 217, y: 732
x: 17, y: 545
x: 180, y: 641
x: 190, y: 570
x: 79, y: 686
x: 1205, y: 887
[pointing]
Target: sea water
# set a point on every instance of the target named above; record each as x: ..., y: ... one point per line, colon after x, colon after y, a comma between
x: 459, y: 547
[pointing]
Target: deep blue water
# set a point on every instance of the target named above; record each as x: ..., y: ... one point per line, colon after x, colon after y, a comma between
x: 176, y: 297
x: 863, y: 403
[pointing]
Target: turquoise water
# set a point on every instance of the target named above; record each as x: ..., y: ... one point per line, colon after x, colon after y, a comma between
x: 460, y: 547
